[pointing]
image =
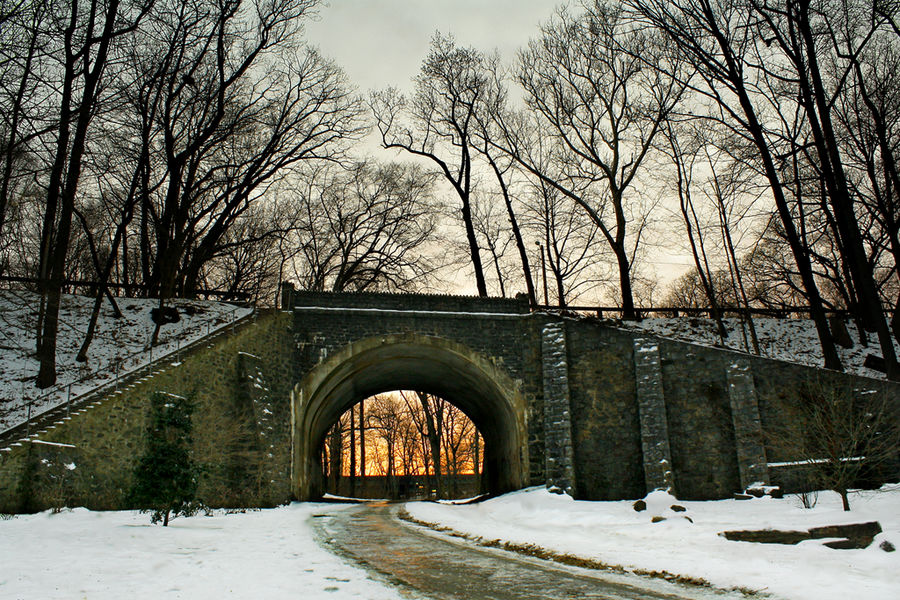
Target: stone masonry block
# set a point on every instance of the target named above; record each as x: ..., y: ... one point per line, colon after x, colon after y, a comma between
x: 559, y: 461
x: 658, y: 473
x: 751, y: 452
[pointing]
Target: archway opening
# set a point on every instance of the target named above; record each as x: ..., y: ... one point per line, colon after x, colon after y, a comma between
x: 435, y: 366
x: 403, y: 445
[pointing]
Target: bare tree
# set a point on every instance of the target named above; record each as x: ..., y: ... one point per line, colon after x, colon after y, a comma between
x: 438, y: 124
x: 684, y: 150
x: 22, y: 25
x: 88, y: 34
x: 243, y: 103
x: 431, y: 415
x: 585, y: 78
x: 837, y: 433
x: 720, y: 40
x: 795, y: 28
x: 365, y: 228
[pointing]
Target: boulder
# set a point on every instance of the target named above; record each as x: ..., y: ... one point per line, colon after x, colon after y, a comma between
x: 851, y: 536
x: 839, y: 331
x: 164, y: 315
x: 766, y: 536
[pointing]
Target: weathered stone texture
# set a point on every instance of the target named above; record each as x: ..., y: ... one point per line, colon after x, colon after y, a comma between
x: 599, y: 410
x: 658, y: 473
x: 701, y: 432
x: 751, y: 452
x: 557, y: 418
x: 88, y: 460
x: 605, y: 422
x: 502, y: 331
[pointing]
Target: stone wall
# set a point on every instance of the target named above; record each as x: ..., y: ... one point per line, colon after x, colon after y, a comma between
x: 722, y: 409
x: 241, y: 387
x: 600, y: 411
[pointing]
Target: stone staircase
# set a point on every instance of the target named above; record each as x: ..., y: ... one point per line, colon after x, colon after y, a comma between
x: 59, y: 414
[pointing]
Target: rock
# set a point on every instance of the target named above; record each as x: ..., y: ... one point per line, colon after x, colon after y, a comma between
x: 759, y: 490
x: 743, y: 497
x: 766, y: 536
x: 677, y: 508
x: 856, y: 535
x: 164, y: 315
x: 690, y: 520
x: 886, y: 546
x: 639, y: 505
x: 875, y: 362
x: 839, y: 331
x: 657, y: 519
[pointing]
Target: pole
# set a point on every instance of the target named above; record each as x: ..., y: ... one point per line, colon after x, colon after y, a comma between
x: 544, y: 272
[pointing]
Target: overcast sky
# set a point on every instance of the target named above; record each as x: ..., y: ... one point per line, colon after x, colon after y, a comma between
x: 382, y: 43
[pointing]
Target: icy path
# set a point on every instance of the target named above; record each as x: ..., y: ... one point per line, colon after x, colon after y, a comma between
x: 431, y: 565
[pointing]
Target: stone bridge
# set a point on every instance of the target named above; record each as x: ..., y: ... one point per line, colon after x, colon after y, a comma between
x: 577, y: 404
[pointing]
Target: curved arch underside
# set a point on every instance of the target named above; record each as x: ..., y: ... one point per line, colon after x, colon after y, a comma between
x: 411, y: 362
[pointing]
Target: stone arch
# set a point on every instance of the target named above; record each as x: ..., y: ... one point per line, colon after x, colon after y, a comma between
x: 439, y: 366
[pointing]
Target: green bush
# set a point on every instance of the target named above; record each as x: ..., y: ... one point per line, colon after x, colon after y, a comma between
x: 165, y: 478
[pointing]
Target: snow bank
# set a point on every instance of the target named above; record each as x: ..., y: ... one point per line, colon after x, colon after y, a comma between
x: 112, y: 555
x: 614, y: 533
x: 792, y: 340
x: 118, y: 343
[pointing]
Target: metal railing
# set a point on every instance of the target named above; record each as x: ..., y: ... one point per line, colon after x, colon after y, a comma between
x: 122, y: 370
x: 676, y: 311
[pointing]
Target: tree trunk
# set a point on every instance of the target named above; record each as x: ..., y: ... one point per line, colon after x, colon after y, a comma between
x: 801, y: 256
x: 473, y: 247
x: 334, y: 458
x: 819, y: 117
x: 362, y: 441
x: 517, y: 234
x: 434, y: 441
x: 845, y: 499
x: 628, y: 309
x: 352, y: 453
x: 57, y: 260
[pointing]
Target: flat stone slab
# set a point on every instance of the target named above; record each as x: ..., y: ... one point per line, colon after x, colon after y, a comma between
x: 850, y: 536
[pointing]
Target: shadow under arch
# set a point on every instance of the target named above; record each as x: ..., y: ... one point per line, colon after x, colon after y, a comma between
x: 435, y: 365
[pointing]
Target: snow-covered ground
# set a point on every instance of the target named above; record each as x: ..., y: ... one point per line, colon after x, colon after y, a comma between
x: 268, y: 554
x: 792, y: 340
x: 122, y: 343
x: 615, y: 534
x: 274, y: 553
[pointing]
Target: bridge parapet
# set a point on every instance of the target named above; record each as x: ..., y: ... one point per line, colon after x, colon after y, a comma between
x: 408, y: 302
